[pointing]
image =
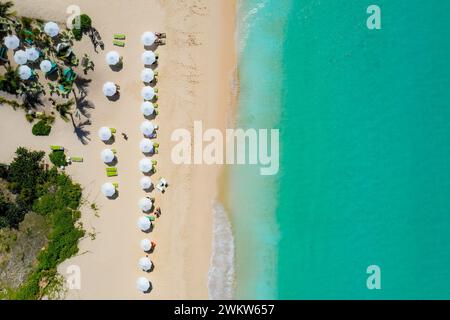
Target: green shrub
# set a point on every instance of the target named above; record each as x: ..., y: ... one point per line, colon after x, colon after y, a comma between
x: 58, y: 198
x: 84, y: 26
x: 58, y: 158
x: 41, y: 128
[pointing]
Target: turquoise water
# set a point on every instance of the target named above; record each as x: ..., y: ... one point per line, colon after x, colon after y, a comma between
x: 364, y: 119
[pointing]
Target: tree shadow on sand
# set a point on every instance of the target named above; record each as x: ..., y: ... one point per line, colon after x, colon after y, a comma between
x: 81, y: 131
x: 81, y: 102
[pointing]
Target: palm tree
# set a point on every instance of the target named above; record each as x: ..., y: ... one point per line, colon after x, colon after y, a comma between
x: 7, y: 17
x: 64, y: 108
x: 5, y: 10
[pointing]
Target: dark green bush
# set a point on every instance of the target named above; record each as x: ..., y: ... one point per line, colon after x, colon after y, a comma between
x: 84, y: 25
x: 53, y: 195
x: 41, y: 128
x: 58, y: 158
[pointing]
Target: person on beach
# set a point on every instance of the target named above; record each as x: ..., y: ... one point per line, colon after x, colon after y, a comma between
x: 158, y: 212
x: 124, y: 135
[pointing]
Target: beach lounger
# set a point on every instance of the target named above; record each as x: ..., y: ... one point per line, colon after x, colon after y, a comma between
x: 119, y: 36
x: 111, y: 169
x: 113, y: 130
x: 115, y: 184
x: 111, y: 174
x: 119, y: 43
x: 154, y: 162
x: 151, y: 218
x: 114, y: 151
x: 76, y: 159
x: 57, y: 148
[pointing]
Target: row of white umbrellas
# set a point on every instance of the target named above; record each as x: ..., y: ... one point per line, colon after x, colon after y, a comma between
x: 145, y: 165
x: 148, y: 57
x: 110, y: 89
x: 147, y: 129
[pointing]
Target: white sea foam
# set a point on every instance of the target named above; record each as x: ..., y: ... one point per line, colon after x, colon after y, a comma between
x: 221, y: 271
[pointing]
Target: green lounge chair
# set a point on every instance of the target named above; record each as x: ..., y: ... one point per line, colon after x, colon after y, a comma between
x: 113, y: 130
x: 151, y: 218
x: 57, y: 148
x: 119, y: 43
x: 119, y: 36
x: 53, y: 69
x: 76, y: 159
x: 69, y: 75
x: 111, y: 169
x: 156, y: 90
x: 111, y: 174
x: 64, y: 89
x: 114, y: 151
x: 115, y: 184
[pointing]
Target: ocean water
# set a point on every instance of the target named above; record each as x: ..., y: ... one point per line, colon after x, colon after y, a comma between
x: 364, y: 119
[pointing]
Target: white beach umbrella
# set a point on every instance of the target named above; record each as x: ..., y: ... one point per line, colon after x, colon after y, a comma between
x: 45, y: 65
x: 107, y: 155
x: 145, y: 204
x: 109, y: 89
x: 108, y: 189
x: 144, y: 223
x: 146, y: 183
x: 143, y: 284
x: 11, y: 42
x: 147, y: 108
x: 112, y: 58
x: 148, y: 93
x: 32, y: 54
x: 148, y: 38
x: 147, y: 75
x: 146, y: 145
x: 20, y: 57
x: 25, y: 72
x: 51, y: 29
x: 145, y: 264
x: 148, y: 57
x: 146, y: 245
x: 147, y: 128
x: 145, y: 165
x: 104, y: 133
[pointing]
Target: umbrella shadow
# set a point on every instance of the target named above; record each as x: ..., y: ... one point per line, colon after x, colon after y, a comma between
x: 115, y: 97
x: 114, y: 196
x: 113, y: 163
x: 110, y: 141
x: 117, y: 67
x: 151, y: 117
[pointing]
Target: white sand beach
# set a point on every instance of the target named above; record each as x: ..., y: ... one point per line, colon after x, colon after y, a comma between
x: 197, y: 70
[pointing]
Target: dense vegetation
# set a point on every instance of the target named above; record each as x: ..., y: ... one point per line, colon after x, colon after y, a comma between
x: 84, y: 26
x: 62, y: 78
x: 41, y: 128
x: 52, y: 195
x: 58, y: 158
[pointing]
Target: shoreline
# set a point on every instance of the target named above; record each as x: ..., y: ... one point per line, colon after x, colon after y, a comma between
x: 194, y: 69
